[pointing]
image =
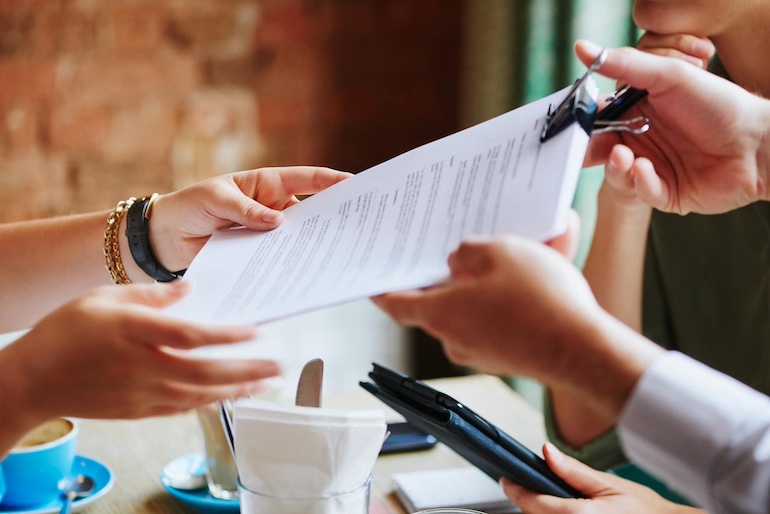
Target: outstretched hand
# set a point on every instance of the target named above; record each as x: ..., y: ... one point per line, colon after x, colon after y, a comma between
x: 606, y: 493
x: 112, y: 353
x: 503, y: 295
x: 183, y: 221
x: 705, y: 149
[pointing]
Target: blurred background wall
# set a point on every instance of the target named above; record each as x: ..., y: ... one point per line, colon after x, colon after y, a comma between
x: 105, y: 99
x: 100, y: 99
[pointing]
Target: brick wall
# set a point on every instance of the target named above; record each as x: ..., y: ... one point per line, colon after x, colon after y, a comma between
x: 102, y: 99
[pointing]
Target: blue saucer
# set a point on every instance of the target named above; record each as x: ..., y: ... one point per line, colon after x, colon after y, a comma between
x: 103, y: 482
x: 201, y: 499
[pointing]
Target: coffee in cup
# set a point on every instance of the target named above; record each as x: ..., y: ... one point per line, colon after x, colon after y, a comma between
x: 33, y: 468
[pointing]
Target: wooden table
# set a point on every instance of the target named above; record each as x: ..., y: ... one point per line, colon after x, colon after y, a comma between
x: 136, y: 451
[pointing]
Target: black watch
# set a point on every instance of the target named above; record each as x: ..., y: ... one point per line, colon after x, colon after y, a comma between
x: 138, y: 234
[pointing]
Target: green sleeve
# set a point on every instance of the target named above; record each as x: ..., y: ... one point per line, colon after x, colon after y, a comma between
x: 602, y: 453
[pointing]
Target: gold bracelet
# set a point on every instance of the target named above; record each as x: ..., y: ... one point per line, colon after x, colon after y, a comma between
x: 112, y: 260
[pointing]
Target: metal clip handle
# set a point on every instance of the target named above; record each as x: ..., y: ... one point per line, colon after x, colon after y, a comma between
x: 558, y: 118
x: 638, y: 125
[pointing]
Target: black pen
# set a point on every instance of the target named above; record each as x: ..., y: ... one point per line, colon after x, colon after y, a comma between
x: 622, y: 100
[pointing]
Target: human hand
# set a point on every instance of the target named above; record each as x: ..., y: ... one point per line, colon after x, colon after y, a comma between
x: 607, y: 493
x: 706, y: 149
x: 514, y: 306
x: 503, y: 294
x: 698, y: 51
x: 112, y: 353
x: 183, y: 221
x: 618, y: 169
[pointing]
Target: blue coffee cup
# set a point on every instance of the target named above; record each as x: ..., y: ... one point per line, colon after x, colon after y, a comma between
x: 33, y: 469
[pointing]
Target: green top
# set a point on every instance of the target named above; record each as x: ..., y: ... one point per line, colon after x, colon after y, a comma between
x: 706, y: 294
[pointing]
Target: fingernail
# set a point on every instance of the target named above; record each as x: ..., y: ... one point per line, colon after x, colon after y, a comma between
x: 699, y: 63
x: 553, y: 452
x: 271, y: 216
x: 704, y: 48
x: 590, y: 47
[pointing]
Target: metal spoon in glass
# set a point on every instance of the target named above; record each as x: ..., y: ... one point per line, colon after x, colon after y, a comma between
x: 74, y: 487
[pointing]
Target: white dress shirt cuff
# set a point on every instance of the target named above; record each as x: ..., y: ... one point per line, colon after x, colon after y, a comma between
x: 703, y: 433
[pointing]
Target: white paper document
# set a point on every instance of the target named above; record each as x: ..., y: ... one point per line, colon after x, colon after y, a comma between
x: 392, y: 226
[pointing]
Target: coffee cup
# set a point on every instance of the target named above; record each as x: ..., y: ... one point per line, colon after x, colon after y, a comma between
x: 33, y: 468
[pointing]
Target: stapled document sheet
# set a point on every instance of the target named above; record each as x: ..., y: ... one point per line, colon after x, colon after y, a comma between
x: 392, y: 226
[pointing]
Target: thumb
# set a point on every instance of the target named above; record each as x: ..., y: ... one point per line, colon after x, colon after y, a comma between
x: 243, y: 210
x: 580, y: 476
x: 567, y: 243
x: 471, y: 259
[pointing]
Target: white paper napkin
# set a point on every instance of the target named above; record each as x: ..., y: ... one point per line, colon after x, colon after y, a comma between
x: 303, y: 452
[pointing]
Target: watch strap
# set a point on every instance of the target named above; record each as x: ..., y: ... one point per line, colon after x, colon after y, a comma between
x: 138, y: 235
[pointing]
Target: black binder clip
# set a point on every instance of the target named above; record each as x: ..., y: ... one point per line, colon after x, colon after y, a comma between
x: 579, y: 106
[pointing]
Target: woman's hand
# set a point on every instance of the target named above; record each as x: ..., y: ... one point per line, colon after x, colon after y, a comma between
x: 607, y: 493
x: 112, y: 353
x: 182, y: 222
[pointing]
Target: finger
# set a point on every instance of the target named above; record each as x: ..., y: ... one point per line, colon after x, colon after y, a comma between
x: 535, y: 503
x: 649, y: 186
x: 243, y: 210
x: 403, y: 307
x: 699, y: 47
x: 295, y: 180
x: 618, y: 168
x: 599, y: 148
x: 209, y: 372
x: 676, y: 54
x: 568, y: 242
x: 580, y: 476
x: 472, y: 259
x: 306, y: 180
x: 155, y: 328
x: 185, y: 396
x: 156, y: 295
x: 634, y: 67
x: 275, y: 187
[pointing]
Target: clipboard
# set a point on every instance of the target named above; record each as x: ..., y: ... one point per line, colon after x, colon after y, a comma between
x: 580, y: 107
x: 474, y: 438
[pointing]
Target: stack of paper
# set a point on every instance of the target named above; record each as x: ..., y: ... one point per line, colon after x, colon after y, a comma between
x: 466, y: 488
x: 392, y: 226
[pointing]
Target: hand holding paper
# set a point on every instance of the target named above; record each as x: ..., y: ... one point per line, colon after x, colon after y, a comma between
x: 392, y: 226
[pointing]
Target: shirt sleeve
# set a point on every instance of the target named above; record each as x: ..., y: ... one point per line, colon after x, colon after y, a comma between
x: 704, y: 433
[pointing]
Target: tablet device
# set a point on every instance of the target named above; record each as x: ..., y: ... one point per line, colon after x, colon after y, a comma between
x: 474, y: 438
